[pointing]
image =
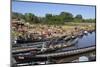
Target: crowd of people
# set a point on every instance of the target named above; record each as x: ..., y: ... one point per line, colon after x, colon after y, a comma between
x: 29, y: 32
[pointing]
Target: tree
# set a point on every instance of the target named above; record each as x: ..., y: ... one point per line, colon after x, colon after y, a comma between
x: 17, y: 16
x: 62, y: 18
x: 48, y: 17
x: 31, y: 18
x: 78, y: 18
x: 66, y: 17
x: 36, y: 20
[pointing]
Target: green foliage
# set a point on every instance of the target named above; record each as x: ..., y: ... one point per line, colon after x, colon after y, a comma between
x: 78, y: 18
x: 17, y: 16
x: 62, y: 18
x: 66, y: 17
x: 89, y: 20
x: 29, y: 17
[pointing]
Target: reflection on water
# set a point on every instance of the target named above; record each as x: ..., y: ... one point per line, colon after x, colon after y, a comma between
x: 86, y: 40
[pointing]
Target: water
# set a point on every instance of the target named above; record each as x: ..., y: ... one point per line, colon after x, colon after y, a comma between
x: 86, y: 40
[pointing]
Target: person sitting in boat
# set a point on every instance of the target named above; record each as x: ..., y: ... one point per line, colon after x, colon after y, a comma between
x: 43, y: 47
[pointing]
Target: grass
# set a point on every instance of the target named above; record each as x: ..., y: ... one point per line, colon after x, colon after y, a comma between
x: 85, y: 26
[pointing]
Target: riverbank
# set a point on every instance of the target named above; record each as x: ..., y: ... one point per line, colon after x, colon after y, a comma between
x: 39, y: 31
x: 81, y: 41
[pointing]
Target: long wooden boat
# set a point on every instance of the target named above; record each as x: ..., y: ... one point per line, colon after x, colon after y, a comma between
x: 21, y: 58
x: 44, y: 49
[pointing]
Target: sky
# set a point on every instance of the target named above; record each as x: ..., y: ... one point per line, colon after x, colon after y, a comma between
x: 40, y: 9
